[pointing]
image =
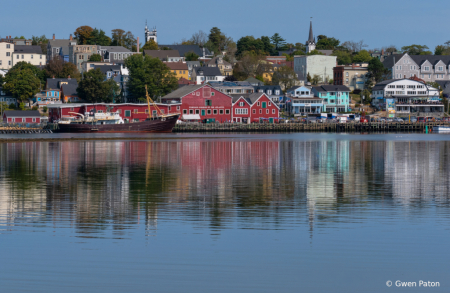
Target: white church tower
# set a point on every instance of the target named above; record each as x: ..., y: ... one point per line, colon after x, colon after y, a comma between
x: 150, y: 34
x: 310, y: 43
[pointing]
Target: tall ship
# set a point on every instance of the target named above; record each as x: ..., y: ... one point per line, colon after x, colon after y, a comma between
x: 112, y: 122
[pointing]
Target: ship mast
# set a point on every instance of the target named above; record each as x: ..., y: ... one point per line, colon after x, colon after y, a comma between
x: 149, y: 100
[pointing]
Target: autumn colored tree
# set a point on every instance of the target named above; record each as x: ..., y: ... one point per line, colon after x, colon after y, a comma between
x: 83, y: 34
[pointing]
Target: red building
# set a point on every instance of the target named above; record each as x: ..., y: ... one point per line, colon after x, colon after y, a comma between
x: 203, y: 101
x: 12, y: 116
x: 129, y: 112
x: 254, y: 107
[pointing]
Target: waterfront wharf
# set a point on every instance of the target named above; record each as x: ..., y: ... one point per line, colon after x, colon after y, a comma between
x: 309, y: 127
x: 23, y: 130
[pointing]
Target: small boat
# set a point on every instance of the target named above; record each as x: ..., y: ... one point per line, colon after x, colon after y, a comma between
x: 111, y: 122
x: 441, y: 129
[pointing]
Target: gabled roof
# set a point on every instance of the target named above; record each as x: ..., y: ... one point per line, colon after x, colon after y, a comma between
x: 69, y: 89
x: 176, y: 65
x: 332, y: 88
x: 388, y: 61
x: 253, y: 98
x: 17, y: 113
x: 253, y: 80
x: 113, y: 49
x: 420, y: 59
x: 60, y: 42
x: 183, y: 91
x: 162, y: 54
x: 273, y: 88
x: 215, y: 61
x: 208, y: 71
x: 27, y: 49
x: 106, y: 68
x: 183, y: 49
x: 237, y: 97
x: 53, y: 83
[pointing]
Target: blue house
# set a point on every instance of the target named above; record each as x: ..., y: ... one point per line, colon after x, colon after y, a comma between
x: 336, y: 98
x: 53, y: 88
x: 300, y: 102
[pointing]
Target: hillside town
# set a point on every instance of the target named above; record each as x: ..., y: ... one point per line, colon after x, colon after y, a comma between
x: 210, y: 78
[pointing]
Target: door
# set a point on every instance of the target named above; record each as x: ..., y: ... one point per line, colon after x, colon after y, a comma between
x: 203, y: 112
x: 271, y: 120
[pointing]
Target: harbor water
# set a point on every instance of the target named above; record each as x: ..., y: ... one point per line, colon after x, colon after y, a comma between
x: 225, y: 213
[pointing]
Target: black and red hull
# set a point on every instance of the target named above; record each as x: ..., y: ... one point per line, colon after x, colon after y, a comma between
x: 160, y: 124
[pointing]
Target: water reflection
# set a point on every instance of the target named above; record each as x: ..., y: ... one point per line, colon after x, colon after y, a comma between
x: 95, y: 186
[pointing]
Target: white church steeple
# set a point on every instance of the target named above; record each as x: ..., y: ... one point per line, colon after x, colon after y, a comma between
x: 310, y: 43
x: 150, y: 34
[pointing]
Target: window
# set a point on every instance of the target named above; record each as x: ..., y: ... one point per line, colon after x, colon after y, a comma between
x: 440, y: 68
x: 346, y: 74
x: 154, y: 113
x: 270, y: 104
x: 40, y: 56
x: 8, y: 46
x: 260, y: 111
x: 258, y: 103
x: 273, y: 111
x: 346, y: 80
x: 267, y: 111
x: 208, y: 103
x: 215, y: 112
x: 184, y: 111
x: 221, y: 112
x: 0, y: 62
x: 178, y: 108
x: 429, y: 75
x: 411, y: 92
x: 191, y: 111
x: 227, y: 111
x: 34, y: 119
x: 197, y: 111
x: 209, y: 112
x: 198, y: 94
x: 254, y: 111
x: 127, y: 113
x: 269, y: 92
x: 8, y: 54
x: 17, y: 57
x: 135, y: 120
x: 23, y: 57
x: 427, y: 68
x: 241, y: 111
x: 241, y: 104
x: 212, y: 93
x: 277, y: 92
x: 31, y: 56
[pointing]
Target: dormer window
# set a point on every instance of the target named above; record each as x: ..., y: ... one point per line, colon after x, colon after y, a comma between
x: 426, y: 68
x: 441, y: 68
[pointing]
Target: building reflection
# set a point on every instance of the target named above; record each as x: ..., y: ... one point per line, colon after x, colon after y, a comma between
x: 95, y: 186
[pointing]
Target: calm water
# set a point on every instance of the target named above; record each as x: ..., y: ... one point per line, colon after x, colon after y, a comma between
x: 226, y: 213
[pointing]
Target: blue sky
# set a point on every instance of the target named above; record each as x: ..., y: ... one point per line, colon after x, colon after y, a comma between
x: 378, y: 23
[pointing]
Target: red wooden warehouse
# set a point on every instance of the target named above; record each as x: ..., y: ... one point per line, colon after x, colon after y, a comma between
x: 203, y: 102
x: 14, y: 116
x: 254, y: 108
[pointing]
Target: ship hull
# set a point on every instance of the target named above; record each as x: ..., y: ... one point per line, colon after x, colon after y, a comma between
x: 165, y: 124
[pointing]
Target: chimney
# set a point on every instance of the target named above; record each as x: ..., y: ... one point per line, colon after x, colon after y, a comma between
x: 137, y: 46
x: 353, y: 65
x: 68, y: 77
x: 53, y: 37
x: 70, y: 37
x: 382, y: 51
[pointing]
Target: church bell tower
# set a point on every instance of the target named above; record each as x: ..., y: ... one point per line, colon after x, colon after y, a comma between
x: 150, y: 34
x: 310, y: 43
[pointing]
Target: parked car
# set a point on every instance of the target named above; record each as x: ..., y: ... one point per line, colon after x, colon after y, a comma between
x: 389, y: 120
x: 398, y: 119
x: 413, y: 119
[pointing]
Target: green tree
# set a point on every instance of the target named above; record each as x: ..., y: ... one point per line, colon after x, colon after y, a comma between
x: 269, y: 48
x: 150, y: 45
x: 122, y: 38
x: 92, y: 87
x: 95, y: 58
x: 98, y: 37
x: 83, y: 34
x: 376, y: 72
x: 284, y: 77
x: 21, y: 37
x: 1, y: 79
x: 278, y: 42
x: 145, y: 70
x: 442, y: 49
x: 367, y: 97
x: 191, y: 56
x: 343, y: 57
x: 315, y: 52
x: 250, y: 44
x: 308, y: 77
x: 57, y: 68
x: 325, y: 43
x: 216, y: 38
x: 362, y: 56
x: 22, y: 82
x: 315, y: 80
x: 40, y: 41
x: 416, y: 50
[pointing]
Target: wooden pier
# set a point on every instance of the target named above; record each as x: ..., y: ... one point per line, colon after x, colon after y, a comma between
x: 23, y: 130
x: 310, y: 127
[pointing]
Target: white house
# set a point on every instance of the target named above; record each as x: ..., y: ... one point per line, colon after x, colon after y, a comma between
x: 301, y: 101
x: 407, y: 96
x: 205, y: 74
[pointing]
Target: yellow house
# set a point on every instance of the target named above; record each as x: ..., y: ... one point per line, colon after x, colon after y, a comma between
x: 179, y: 68
x: 266, y: 71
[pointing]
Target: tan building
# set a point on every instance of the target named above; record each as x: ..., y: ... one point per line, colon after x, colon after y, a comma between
x: 353, y: 75
x: 88, y: 65
x: 6, y: 52
x: 29, y: 54
x: 224, y: 66
x: 81, y: 53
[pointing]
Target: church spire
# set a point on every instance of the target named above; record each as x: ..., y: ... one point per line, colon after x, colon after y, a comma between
x: 311, y: 36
